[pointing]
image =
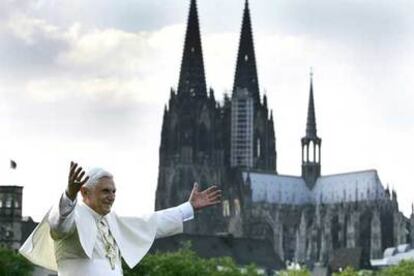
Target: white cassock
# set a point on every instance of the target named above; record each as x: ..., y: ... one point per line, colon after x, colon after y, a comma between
x: 75, y: 240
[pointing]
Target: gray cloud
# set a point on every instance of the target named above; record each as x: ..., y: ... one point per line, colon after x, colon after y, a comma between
x: 20, y: 59
x: 373, y: 22
x: 83, y: 119
x: 8, y: 8
x: 87, y: 76
x: 127, y: 15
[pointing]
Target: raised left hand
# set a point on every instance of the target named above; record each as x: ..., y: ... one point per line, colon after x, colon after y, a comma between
x: 77, y: 178
x: 208, y: 197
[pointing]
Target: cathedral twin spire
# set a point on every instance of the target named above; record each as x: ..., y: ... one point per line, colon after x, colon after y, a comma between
x: 246, y: 72
x: 192, y: 75
x: 192, y: 78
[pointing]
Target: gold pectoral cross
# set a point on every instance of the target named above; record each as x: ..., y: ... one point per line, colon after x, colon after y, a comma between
x: 109, y: 243
x: 111, y: 255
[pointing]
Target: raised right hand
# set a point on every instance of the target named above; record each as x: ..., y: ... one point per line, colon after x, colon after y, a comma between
x: 76, y: 179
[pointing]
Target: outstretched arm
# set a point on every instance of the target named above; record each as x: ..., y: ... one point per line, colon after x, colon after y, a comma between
x: 76, y: 180
x: 170, y: 221
x: 202, y: 199
x: 61, y: 219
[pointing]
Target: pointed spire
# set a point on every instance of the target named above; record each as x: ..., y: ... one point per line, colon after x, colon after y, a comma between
x: 164, y: 132
x: 265, y: 108
x: 311, y: 121
x: 192, y: 78
x: 394, y: 195
x: 311, y: 144
x: 246, y: 73
x: 211, y: 94
x: 171, y: 102
x: 165, y: 116
x: 387, y: 191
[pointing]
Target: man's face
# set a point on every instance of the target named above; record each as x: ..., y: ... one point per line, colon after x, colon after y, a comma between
x: 101, y: 196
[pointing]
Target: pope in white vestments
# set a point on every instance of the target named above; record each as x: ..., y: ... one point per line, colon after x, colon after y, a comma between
x: 87, y: 238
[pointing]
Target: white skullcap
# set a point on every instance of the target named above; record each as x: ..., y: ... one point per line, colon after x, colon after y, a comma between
x: 94, y: 175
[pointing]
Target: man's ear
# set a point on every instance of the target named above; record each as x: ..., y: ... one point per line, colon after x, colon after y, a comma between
x: 84, y: 191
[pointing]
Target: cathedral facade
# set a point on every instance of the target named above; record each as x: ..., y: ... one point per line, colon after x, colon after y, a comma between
x: 232, y: 143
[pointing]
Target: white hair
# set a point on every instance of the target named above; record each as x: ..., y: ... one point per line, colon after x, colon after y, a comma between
x: 95, y: 175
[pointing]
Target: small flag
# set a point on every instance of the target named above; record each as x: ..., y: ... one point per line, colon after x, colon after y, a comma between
x: 13, y: 164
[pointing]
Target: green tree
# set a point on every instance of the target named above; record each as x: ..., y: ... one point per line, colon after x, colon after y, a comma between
x: 12, y: 264
x: 295, y: 272
x: 404, y: 268
x: 186, y: 262
x: 349, y: 271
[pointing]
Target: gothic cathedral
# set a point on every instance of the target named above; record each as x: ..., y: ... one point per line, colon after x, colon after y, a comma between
x: 232, y: 144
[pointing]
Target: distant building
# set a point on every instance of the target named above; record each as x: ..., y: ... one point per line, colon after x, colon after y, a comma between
x: 11, y: 216
x: 308, y: 218
x: 14, y: 229
x: 396, y: 254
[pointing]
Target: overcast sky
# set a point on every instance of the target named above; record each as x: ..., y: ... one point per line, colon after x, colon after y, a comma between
x: 88, y: 81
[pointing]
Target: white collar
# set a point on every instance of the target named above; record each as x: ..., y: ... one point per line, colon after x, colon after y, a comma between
x: 95, y: 215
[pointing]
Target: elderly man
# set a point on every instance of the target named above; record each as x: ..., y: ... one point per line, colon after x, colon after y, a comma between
x: 87, y: 238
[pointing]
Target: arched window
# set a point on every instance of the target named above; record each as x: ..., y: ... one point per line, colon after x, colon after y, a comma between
x: 236, y: 207
x: 318, y: 157
x: 306, y: 149
x: 226, y: 208
x: 8, y: 202
x: 311, y: 154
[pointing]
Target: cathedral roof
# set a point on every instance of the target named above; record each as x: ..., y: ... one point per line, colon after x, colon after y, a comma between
x: 346, y: 187
x: 337, y: 188
x: 282, y: 189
